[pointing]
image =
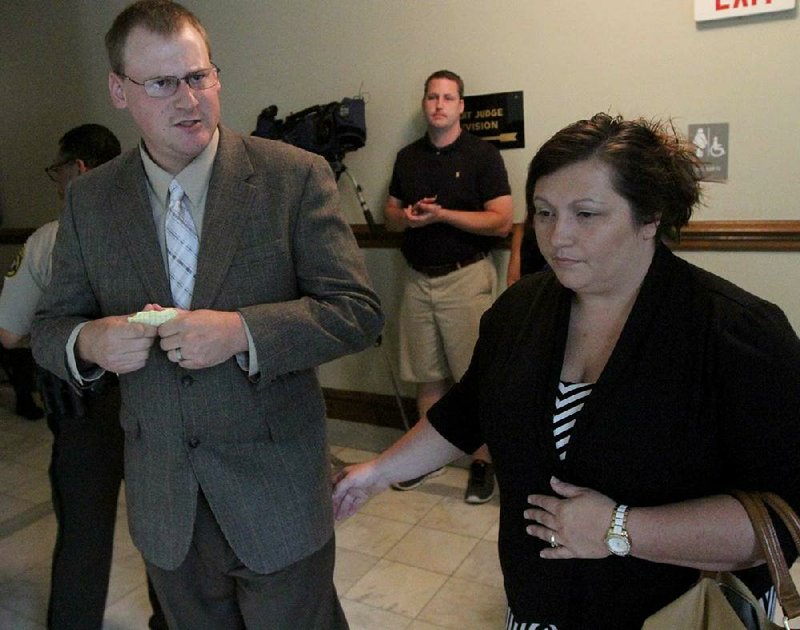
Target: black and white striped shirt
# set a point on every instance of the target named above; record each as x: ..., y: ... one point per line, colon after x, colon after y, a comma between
x: 570, y: 398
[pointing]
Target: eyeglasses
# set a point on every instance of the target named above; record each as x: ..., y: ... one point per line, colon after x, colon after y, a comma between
x: 164, y: 87
x: 54, y: 170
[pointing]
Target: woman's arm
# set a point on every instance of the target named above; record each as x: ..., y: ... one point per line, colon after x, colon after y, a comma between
x: 712, y: 533
x: 419, y: 451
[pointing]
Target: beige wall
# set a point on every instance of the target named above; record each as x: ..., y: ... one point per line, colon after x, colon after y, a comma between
x: 570, y: 59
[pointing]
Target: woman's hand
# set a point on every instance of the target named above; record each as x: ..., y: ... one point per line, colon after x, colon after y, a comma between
x: 576, y: 521
x: 353, y: 486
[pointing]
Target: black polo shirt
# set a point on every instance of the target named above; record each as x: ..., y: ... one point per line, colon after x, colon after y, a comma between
x: 463, y: 176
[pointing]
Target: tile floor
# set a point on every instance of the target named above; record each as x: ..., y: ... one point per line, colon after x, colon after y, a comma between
x: 418, y: 560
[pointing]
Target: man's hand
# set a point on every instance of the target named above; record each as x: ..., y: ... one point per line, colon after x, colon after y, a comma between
x: 203, y: 338
x: 115, y: 345
x: 424, y: 212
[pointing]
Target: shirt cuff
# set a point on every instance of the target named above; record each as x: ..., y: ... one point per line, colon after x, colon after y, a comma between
x: 72, y: 362
x: 248, y: 361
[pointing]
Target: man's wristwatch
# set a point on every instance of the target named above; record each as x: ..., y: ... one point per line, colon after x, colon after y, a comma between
x: 617, y: 539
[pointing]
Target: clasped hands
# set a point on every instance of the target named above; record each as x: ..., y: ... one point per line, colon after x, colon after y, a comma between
x: 194, y: 339
x: 424, y: 212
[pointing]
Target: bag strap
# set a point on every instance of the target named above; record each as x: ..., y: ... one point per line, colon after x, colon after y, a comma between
x: 788, y: 516
x: 790, y: 599
x: 755, y: 503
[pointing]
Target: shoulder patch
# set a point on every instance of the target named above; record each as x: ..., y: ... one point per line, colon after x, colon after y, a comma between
x: 12, y: 271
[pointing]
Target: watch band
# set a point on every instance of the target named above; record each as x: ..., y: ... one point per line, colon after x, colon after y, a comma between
x: 619, y: 520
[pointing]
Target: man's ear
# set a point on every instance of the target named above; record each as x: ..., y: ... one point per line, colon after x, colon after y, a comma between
x: 117, y: 90
x: 82, y: 168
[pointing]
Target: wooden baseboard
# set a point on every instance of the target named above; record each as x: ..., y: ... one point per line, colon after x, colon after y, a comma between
x: 773, y: 235
x: 378, y: 409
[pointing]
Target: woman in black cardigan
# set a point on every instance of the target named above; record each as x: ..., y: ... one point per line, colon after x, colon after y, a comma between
x: 621, y: 393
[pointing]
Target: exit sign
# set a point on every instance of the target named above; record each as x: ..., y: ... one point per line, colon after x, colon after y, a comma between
x: 721, y: 9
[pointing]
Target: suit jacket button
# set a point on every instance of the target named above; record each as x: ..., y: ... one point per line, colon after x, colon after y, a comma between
x: 187, y: 380
x: 194, y: 442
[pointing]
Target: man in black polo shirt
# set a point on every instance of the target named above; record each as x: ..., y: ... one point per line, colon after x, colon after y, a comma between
x: 451, y: 199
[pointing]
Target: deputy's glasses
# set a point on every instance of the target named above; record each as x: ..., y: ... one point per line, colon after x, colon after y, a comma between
x: 54, y: 169
x: 164, y: 87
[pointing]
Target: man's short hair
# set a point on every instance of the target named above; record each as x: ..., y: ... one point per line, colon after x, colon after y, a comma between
x: 163, y: 17
x: 446, y: 74
x: 93, y: 144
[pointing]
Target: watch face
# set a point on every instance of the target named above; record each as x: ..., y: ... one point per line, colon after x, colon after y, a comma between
x: 618, y: 545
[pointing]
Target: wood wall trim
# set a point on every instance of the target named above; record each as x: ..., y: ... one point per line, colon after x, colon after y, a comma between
x: 368, y: 408
x: 698, y: 235
x: 741, y: 236
x: 776, y: 235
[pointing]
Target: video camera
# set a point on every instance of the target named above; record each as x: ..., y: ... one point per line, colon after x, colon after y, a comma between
x: 328, y: 130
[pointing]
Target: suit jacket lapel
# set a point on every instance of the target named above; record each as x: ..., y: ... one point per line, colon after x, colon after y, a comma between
x: 228, y: 204
x: 137, y: 230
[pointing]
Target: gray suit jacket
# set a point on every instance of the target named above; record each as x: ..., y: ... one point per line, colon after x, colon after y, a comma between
x: 275, y: 248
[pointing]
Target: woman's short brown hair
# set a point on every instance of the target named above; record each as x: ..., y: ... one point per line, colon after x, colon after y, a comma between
x: 652, y: 167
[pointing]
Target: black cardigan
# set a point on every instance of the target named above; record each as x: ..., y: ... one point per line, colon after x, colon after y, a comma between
x: 701, y: 393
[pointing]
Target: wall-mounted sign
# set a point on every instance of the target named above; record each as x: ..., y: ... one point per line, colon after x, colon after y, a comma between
x: 722, y: 9
x: 498, y: 118
x: 711, y: 146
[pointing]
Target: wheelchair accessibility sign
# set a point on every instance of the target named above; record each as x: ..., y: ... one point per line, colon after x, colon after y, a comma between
x: 711, y: 146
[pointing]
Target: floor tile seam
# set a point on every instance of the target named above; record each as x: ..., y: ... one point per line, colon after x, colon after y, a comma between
x: 414, y: 566
x: 433, y: 529
x: 380, y: 610
x: 416, y: 522
x: 428, y: 569
x: 110, y: 602
x: 461, y: 564
x: 382, y: 518
x: 441, y: 490
x: 431, y: 596
x: 422, y: 611
x: 31, y: 489
x: 459, y: 532
x: 24, y: 519
x: 19, y: 613
x: 430, y: 601
x: 28, y: 469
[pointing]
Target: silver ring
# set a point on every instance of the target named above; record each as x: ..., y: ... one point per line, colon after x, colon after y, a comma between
x: 178, y: 355
x: 553, y: 542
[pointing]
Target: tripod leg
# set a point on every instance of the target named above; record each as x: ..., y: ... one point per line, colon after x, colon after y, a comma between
x: 395, y: 385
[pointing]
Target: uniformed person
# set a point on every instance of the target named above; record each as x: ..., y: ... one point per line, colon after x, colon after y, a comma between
x: 19, y: 298
x: 86, y: 466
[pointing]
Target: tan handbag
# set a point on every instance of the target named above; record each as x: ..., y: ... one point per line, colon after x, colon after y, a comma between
x: 720, y: 601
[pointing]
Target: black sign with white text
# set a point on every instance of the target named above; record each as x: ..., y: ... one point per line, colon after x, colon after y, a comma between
x: 497, y: 118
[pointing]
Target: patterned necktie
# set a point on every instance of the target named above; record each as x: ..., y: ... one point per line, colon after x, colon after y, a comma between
x: 182, y: 247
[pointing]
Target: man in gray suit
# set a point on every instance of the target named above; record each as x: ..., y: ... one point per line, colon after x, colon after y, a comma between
x: 226, y: 465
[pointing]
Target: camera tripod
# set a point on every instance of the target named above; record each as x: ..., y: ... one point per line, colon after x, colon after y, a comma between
x: 338, y: 169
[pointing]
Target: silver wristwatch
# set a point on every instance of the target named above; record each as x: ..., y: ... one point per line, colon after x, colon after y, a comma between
x: 617, y: 539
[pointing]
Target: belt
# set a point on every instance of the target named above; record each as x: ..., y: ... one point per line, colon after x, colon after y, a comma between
x: 436, y: 271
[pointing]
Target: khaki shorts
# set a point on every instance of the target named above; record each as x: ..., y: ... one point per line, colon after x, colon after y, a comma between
x: 439, y: 319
